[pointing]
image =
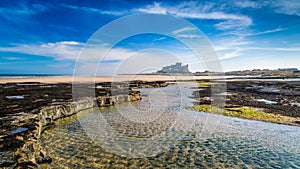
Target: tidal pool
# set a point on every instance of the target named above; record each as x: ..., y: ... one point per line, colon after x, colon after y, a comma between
x: 207, y: 140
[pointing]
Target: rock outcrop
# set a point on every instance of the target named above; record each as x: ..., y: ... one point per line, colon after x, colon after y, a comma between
x: 26, y: 109
x: 33, y: 152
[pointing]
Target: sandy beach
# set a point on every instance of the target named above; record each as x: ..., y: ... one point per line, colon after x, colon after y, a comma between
x: 28, y: 109
x: 118, y: 78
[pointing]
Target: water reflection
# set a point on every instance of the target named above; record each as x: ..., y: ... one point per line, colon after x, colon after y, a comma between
x: 212, y: 140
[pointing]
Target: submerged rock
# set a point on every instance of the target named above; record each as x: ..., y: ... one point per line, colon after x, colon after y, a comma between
x: 29, y: 108
x: 19, y: 130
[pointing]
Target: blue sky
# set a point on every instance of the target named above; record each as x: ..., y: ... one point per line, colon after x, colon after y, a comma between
x: 47, y: 37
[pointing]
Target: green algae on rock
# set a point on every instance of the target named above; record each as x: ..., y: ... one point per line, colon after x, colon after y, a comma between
x: 245, y: 113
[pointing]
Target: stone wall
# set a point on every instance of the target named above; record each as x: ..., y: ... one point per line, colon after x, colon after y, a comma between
x: 49, y: 114
x: 33, y: 153
x: 26, y: 109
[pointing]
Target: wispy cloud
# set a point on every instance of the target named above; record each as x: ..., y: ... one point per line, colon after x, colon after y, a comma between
x: 185, y: 29
x: 234, y: 24
x: 159, y: 39
x: 24, y: 9
x: 238, y: 51
x: 70, y: 43
x: 274, y: 49
x: 191, y: 10
x: 69, y: 50
x: 247, y: 4
x: 12, y: 58
x: 291, y: 7
x: 234, y: 53
x: 89, y: 9
x: 228, y: 44
x: 120, y: 59
x: 19, y: 14
x: 230, y: 48
x: 155, y: 9
x: 213, y: 16
x: 245, y: 34
x: 59, y: 50
x: 186, y: 32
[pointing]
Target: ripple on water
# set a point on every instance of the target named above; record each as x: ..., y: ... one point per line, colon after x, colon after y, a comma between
x: 226, y: 144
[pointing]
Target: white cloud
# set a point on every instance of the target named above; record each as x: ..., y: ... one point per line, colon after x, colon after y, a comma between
x: 184, y: 10
x: 121, y: 59
x: 232, y: 54
x: 159, y: 39
x: 255, y: 33
x: 231, y: 43
x: 59, y: 50
x: 196, y: 11
x: 266, y: 32
x: 17, y: 13
x: 24, y: 9
x: 234, y: 24
x: 89, y: 9
x: 185, y: 29
x: 187, y: 11
x: 274, y: 49
x: 146, y: 61
x: 69, y: 43
x: 290, y: 7
x: 247, y: 4
x: 186, y: 32
x: 12, y: 58
x: 230, y: 48
x: 69, y: 50
x: 155, y: 9
x: 212, y: 15
x: 188, y: 36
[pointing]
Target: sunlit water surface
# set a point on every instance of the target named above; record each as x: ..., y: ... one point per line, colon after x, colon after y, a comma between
x: 212, y: 141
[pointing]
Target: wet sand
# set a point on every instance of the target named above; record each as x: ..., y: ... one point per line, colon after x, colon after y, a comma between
x: 119, y: 78
x: 70, y: 79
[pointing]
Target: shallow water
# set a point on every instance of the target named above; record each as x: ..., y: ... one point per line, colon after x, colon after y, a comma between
x: 197, y: 139
x: 266, y: 101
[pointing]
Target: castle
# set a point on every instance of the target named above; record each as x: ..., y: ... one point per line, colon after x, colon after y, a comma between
x: 177, y: 68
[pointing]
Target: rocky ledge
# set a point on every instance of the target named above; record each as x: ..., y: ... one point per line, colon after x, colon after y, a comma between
x: 272, y: 97
x: 27, y: 109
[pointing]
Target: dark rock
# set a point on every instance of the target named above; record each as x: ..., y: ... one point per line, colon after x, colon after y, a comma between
x: 19, y: 130
x: 248, y: 93
x: 23, y: 120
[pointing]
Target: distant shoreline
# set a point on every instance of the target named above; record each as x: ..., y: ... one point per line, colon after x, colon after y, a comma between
x: 31, y: 75
x: 118, y: 78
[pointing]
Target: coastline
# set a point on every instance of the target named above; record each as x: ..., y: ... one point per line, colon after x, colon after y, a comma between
x: 120, y: 78
x: 98, y: 79
x: 54, y: 95
x: 23, y: 118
